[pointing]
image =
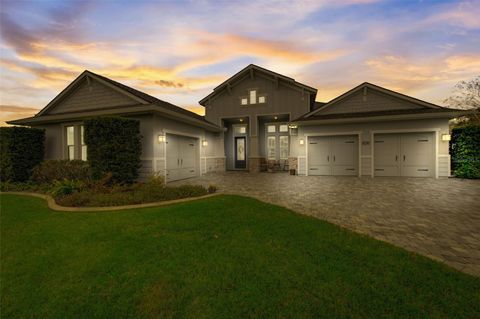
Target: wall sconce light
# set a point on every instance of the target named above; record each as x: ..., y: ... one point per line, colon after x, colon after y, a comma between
x: 446, y: 137
x: 241, y: 120
x: 292, y: 126
x: 275, y: 118
x: 302, y: 141
x: 161, y: 138
x: 204, y: 143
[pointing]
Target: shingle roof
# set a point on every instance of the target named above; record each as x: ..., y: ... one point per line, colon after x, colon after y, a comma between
x: 149, y: 98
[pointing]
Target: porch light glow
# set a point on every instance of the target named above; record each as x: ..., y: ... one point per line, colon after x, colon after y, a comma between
x: 241, y: 120
x: 302, y: 141
x: 161, y: 138
x: 204, y: 143
x: 292, y: 126
x: 275, y: 118
x: 446, y: 137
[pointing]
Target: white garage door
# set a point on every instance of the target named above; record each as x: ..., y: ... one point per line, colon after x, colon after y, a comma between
x: 410, y: 154
x: 333, y: 155
x: 181, y: 157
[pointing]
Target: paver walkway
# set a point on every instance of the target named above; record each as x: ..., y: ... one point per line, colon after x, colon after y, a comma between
x: 439, y: 218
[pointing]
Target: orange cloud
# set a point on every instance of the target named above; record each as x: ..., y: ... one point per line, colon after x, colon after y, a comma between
x: 11, y: 112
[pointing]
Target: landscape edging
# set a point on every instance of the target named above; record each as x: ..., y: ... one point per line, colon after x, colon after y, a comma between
x: 54, y: 206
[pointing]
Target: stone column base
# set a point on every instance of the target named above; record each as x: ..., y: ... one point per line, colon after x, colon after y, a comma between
x: 254, y: 164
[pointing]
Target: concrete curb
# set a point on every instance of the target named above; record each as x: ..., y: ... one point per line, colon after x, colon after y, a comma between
x: 54, y: 206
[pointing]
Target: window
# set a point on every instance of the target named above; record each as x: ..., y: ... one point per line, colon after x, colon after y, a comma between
x: 271, y: 128
x: 262, y: 99
x: 244, y: 101
x: 70, y: 142
x: 271, y: 141
x: 240, y: 129
x: 82, y: 143
x: 283, y: 128
x: 283, y: 147
x: 253, y: 97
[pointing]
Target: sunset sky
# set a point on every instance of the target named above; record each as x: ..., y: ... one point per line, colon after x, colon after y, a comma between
x: 179, y: 50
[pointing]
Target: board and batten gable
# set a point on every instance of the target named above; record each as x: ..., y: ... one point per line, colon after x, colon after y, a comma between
x: 282, y: 99
x: 91, y: 95
x: 369, y: 100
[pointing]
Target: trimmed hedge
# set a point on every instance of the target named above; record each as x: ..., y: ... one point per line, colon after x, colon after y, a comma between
x: 465, y: 151
x: 21, y: 149
x: 113, y: 146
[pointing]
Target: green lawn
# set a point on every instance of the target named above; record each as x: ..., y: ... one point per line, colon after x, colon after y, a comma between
x: 222, y: 257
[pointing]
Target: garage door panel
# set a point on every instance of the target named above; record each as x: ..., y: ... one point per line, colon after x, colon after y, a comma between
x: 344, y: 150
x: 405, y: 154
x: 181, y: 157
x: 333, y: 155
x: 344, y: 170
x: 387, y: 171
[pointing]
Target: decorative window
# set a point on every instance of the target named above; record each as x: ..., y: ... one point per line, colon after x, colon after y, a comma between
x: 283, y: 128
x: 244, y: 101
x: 70, y: 142
x: 283, y: 147
x: 262, y: 99
x: 82, y: 143
x: 240, y: 129
x: 271, y: 143
x: 253, y: 97
x: 271, y: 128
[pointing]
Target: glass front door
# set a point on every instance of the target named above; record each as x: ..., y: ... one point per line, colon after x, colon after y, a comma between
x: 240, y: 153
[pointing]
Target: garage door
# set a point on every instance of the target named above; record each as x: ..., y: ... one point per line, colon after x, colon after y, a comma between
x: 333, y: 155
x: 410, y: 154
x: 181, y: 157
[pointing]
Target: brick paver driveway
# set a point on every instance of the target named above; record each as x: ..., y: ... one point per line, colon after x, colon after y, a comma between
x: 437, y: 218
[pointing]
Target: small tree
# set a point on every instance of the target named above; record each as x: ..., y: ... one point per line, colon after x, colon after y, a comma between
x: 113, y: 146
x: 466, y: 96
x: 21, y: 149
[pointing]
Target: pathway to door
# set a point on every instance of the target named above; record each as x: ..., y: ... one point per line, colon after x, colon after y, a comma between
x: 439, y: 218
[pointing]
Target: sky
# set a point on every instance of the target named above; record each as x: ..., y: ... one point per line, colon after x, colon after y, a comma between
x: 179, y: 51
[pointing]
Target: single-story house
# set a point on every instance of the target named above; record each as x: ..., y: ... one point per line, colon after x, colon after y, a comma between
x: 258, y: 118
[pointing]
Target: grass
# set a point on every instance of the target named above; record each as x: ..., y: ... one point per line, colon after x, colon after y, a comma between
x: 222, y: 257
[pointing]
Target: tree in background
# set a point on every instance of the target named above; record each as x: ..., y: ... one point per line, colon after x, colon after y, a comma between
x: 466, y: 96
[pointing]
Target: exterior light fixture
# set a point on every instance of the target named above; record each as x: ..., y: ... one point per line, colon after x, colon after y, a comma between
x: 275, y: 118
x: 292, y: 126
x: 204, y: 143
x: 241, y: 120
x: 302, y: 141
x: 161, y: 138
x: 446, y: 137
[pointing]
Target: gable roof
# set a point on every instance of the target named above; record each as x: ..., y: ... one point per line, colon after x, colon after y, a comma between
x: 255, y: 68
x: 366, y: 85
x: 145, y: 103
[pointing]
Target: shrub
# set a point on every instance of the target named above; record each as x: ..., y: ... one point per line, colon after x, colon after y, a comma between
x: 212, y: 189
x: 59, y: 170
x: 21, y: 149
x: 24, y: 187
x: 66, y: 187
x: 465, y: 151
x: 114, y: 145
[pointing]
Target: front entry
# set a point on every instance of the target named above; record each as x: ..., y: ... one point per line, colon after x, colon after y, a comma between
x: 240, y: 152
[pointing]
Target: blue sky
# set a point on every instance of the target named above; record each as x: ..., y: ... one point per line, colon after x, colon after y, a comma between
x: 179, y: 50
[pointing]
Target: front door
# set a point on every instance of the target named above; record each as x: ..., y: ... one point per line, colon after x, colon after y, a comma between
x: 240, y: 153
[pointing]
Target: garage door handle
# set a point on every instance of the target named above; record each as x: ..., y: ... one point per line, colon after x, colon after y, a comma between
x: 178, y: 161
x: 404, y: 158
x: 349, y: 169
x: 379, y: 169
x: 313, y: 169
x: 396, y: 158
x: 422, y: 170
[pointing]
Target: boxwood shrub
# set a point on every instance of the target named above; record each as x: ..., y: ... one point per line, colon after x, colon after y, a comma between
x: 51, y: 171
x: 465, y: 151
x: 21, y: 149
x: 113, y: 146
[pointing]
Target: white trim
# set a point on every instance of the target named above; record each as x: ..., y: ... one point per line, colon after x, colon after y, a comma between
x: 449, y: 162
x: 420, y: 130
x: 365, y: 156
x: 358, y: 133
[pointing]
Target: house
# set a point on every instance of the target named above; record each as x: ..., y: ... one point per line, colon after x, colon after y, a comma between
x: 258, y: 118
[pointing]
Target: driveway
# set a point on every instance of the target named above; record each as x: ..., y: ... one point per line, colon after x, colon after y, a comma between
x: 439, y: 218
